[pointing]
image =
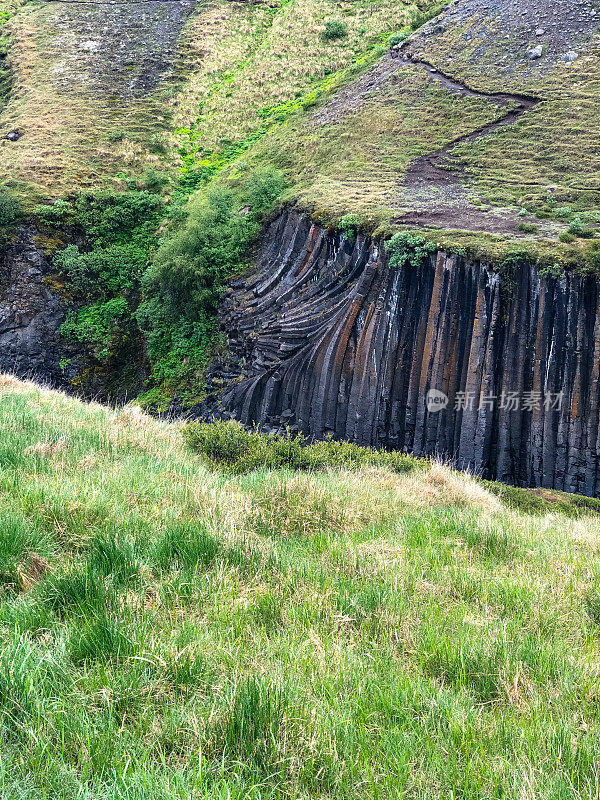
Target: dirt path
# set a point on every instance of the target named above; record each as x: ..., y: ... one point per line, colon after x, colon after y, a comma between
x: 428, y: 166
x: 433, y: 184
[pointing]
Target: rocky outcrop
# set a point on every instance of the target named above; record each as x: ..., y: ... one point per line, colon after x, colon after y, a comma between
x: 30, y: 312
x: 327, y: 338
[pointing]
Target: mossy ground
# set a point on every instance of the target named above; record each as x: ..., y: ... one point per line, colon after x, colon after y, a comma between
x: 168, y: 630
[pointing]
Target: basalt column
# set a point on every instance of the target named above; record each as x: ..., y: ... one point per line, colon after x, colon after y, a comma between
x: 326, y: 337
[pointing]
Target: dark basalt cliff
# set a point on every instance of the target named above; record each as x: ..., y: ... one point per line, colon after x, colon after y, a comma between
x: 30, y: 312
x: 325, y: 337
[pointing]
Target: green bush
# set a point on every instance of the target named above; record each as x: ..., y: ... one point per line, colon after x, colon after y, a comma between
x: 527, y: 227
x: 229, y: 446
x: 55, y: 212
x: 97, y: 326
x: 333, y: 30
x: 577, y: 228
x: 407, y: 250
x: 101, y: 274
x: 349, y: 226
x: 119, y: 233
x: 109, y: 217
x: 10, y: 210
x: 563, y: 212
x: 397, y: 38
x: 552, y: 271
x: 155, y: 181
x: 182, y: 286
x: 566, y: 237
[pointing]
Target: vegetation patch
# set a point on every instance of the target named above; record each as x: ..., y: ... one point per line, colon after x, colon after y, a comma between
x: 229, y: 446
x: 182, y: 286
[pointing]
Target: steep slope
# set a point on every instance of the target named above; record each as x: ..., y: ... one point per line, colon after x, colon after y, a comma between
x: 401, y: 143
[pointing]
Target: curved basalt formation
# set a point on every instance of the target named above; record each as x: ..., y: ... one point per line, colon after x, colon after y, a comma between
x: 327, y: 338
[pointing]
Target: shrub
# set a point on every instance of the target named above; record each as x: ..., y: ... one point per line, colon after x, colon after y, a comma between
x: 563, y: 211
x: 109, y: 217
x: 55, y: 212
x: 552, y: 271
x: 408, y: 250
x: 182, y: 286
x: 101, y: 274
x: 397, y: 38
x: 577, y: 228
x: 566, y: 237
x: 10, y: 210
x: 155, y: 181
x: 119, y: 232
x: 333, y: 30
x: 229, y: 446
x: 220, y: 442
x: 349, y: 226
x: 158, y: 144
x: 97, y: 326
x: 527, y: 227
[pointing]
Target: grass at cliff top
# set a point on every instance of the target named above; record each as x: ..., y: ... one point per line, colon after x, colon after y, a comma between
x: 170, y: 631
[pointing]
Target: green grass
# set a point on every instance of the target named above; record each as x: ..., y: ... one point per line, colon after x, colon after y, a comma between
x: 170, y: 630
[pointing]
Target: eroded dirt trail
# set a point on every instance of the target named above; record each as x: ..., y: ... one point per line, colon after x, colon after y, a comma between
x: 435, y: 172
x: 516, y: 105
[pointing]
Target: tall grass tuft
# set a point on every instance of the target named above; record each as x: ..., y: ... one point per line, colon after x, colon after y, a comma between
x: 100, y: 638
x: 186, y: 545
x: 250, y: 734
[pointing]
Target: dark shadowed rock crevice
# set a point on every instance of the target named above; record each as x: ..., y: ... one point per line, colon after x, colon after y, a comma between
x: 31, y: 313
x: 33, y: 307
x: 325, y: 337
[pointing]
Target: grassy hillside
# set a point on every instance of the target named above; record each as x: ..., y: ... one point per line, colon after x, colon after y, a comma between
x: 170, y: 630
x: 102, y: 92
x: 398, y: 144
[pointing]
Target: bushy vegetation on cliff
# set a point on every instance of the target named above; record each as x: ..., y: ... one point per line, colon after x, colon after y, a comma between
x: 124, y: 276
x: 183, y: 284
x: 171, y: 630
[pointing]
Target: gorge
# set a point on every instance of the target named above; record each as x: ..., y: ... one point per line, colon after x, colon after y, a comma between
x: 329, y: 339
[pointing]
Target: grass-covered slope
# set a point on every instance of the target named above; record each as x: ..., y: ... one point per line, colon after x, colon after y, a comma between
x: 407, y: 144
x: 168, y: 630
x: 102, y: 91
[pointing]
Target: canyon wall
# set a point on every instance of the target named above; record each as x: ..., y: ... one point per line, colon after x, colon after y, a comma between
x: 326, y: 338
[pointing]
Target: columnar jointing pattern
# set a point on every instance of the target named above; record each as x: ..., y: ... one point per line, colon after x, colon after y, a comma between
x: 332, y: 340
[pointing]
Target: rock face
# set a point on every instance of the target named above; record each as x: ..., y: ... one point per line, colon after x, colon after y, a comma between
x: 327, y: 338
x: 30, y: 313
